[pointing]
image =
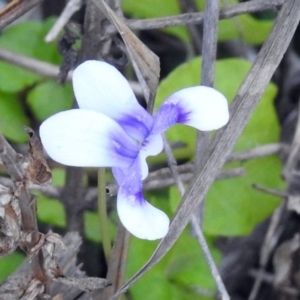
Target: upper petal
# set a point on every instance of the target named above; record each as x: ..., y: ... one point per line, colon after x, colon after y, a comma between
x: 137, y: 215
x: 101, y: 87
x: 86, y: 138
x: 201, y: 107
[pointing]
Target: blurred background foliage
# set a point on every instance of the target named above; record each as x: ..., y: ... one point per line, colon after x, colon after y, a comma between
x: 232, y: 208
x: 241, y: 26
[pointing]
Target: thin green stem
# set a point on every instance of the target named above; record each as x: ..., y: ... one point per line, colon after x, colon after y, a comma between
x: 102, y: 210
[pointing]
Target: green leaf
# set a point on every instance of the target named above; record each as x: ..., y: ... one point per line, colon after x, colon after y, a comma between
x: 171, y: 278
x: 263, y: 126
x: 9, y: 264
x: 58, y: 177
x: 14, y: 79
x: 25, y: 38
x: 240, y: 27
x: 92, y: 226
x: 240, y: 208
x: 158, y: 8
x: 189, y: 273
x: 48, y: 98
x: 51, y: 211
x: 12, y: 118
x: 234, y: 208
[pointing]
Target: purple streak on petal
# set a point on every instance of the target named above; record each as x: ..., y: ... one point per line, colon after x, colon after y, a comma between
x: 201, y: 107
x: 86, y: 138
x: 137, y: 125
x: 122, y: 145
x: 130, y: 180
x: 132, y: 185
x: 138, y: 216
x: 169, y: 114
x: 119, y: 174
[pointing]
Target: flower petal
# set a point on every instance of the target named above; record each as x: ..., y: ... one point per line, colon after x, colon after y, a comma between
x: 119, y: 174
x: 101, y: 87
x: 201, y: 107
x: 150, y: 147
x: 137, y: 215
x: 86, y: 138
x: 140, y: 218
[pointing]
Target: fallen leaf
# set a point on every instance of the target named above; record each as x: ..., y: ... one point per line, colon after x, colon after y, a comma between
x: 37, y: 170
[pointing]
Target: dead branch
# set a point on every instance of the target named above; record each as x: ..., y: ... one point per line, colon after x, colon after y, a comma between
x: 15, y: 285
x: 46, y: 69
x: 14, y: 10
x: 71, y: 7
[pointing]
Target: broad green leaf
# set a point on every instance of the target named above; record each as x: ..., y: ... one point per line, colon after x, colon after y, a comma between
x: 243, y: 27
x: 51, y: 212
x: 48, y: 98
x: 25, y: 38
x: 170, y: 279
x: 157, y: 8
x: 9, y: 264
x: 241, y: 208
x: 12, y: 118
x: 92, y: 226
x: 195, y: 271
x: 58, y: 177
x: 263, y: 126
x: 14, y: 79
x: 232, y: 206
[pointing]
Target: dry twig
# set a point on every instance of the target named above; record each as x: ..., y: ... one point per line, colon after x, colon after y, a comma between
x: 14, y: 10
x: 197, y: 18
x: 195, y: 224
x: 72, y: 7
x: 46, y: 69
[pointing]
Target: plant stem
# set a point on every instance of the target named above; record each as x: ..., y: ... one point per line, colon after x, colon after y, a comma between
x: 102, y: 210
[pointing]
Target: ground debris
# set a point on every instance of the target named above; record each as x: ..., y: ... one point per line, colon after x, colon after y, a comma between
x: 66, y: 279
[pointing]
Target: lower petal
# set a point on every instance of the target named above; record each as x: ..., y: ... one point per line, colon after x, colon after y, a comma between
x: 201, y: 107
x: 140, y: 218
x: 119, y: 174
x: 137, y: 215
x: 85, y: 138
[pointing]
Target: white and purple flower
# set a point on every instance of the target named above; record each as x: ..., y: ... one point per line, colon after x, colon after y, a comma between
x: 111, y: 129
